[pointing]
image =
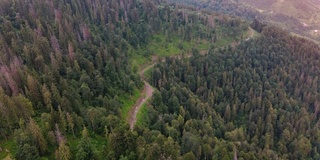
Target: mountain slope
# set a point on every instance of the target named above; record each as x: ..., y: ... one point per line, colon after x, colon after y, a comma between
x: 69, y: 71
x: 306, y: 11
x: 299, y: 17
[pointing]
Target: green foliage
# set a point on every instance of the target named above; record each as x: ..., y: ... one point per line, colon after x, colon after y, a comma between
x: 142, y: 115
x: 189, y: 156
x: 84, y: 149
x: 161, y: 47
x: 63, y: 152
x: 129, y: 101
x: 10, y: 146
x: 26, y: 148
x: 120, y: 142
x: 27, y: 152
x: 67, y: 65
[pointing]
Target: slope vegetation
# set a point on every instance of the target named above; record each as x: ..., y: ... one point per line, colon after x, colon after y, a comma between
x: 69, y: 71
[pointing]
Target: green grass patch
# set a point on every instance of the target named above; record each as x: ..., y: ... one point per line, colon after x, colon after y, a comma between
x: 142, y: 115
x: 221, y: 42
x: 139, y: 60
x: 72, y: 143
x: 128, y: 101
x: 148, y: 73
x: 163, y: 46
x: 203, y: 45
x: 8, y: 145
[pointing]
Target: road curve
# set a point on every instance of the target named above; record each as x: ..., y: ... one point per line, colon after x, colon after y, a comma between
x: 145, y: 95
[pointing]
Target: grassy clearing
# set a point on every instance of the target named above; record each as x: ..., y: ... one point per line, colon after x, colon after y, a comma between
x: 223, y: 42
x: 139, y: 60
x: 9, y: 146
x: 148, y: 73
x: 162, y: 46
x: 128, y: 101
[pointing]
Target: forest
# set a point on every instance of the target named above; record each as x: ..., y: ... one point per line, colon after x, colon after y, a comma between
x: 69, y: 72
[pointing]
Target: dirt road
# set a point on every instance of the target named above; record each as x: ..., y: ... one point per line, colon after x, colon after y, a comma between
x: 145, y: 95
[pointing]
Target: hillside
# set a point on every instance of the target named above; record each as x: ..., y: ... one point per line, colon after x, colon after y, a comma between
x: 69, y: 72
x: 299, y: 17
x: 145, y: 79
x: 306, y: 13
x: 306, y: 10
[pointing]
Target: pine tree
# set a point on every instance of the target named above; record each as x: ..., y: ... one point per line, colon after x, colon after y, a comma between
x: 63, y: 152
x: 33, y: 89
x: 84, y: 149
x: 70, y: 123
x: 35, y: 131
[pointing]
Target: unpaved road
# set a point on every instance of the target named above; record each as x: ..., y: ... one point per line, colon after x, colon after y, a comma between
x: 145, y: 95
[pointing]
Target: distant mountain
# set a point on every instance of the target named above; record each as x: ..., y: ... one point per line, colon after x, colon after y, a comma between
x: 296, y: 16
x: 302, y: 17
x: 307, y: 10
x: 230, y: 7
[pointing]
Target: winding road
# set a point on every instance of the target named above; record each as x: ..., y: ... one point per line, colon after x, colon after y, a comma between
x: 145, y: 95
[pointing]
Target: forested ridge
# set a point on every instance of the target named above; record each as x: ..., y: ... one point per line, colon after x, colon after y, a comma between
x: 66, y: 74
